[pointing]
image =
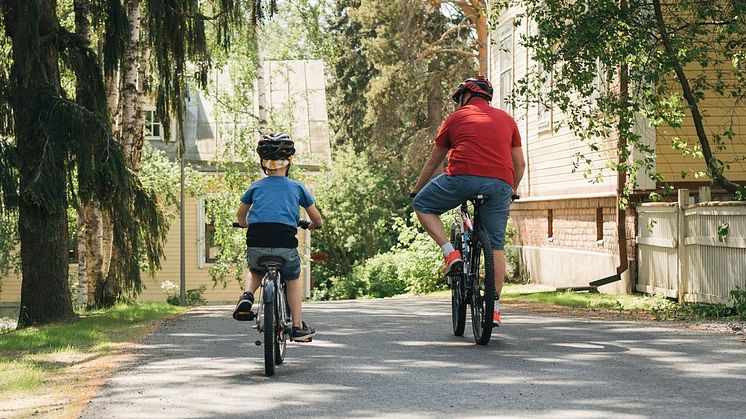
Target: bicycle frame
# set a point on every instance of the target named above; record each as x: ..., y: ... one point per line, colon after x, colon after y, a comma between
x: 468, y: 227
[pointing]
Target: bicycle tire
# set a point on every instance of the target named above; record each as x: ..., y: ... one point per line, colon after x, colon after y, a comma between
x: 281, y: 335
x: 482, y: 269
x: 458, y: 303
x: 270, y: 331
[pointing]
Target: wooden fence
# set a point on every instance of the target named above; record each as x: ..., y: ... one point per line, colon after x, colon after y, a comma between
x: 694, y: 253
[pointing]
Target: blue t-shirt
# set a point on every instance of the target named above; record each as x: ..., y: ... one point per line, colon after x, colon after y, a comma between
x: 275, y: 211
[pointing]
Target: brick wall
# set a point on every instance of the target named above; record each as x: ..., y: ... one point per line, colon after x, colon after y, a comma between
x: 586, y: 225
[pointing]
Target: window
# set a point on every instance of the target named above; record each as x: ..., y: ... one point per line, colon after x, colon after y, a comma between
x: 505, y: 65
x: 550, y: 225
x: 153, y: 127
x: 207, y: 251
x: 599, y: 224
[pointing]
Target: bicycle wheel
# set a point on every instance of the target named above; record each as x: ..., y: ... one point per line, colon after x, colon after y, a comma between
x: 270, y: 332
x: 482, y: 270
x: 458, y: 305
x: 281, y: 335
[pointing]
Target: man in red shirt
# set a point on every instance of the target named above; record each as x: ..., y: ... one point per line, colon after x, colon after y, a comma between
x: 483, y: 146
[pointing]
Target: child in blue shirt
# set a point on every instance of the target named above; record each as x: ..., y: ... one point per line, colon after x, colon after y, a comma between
x: 270, y: 208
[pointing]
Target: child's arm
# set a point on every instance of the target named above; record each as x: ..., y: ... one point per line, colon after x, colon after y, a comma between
x: 315, y: 216
x: 243, y: 209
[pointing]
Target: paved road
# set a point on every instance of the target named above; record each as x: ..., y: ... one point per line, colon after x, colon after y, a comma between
x: 397, y: 358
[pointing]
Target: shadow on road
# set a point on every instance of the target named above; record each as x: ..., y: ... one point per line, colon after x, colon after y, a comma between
x: 399, y: 358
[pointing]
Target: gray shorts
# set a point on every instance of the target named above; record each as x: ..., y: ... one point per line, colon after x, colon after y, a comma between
x: 291, y: 269
x: 447, y: 192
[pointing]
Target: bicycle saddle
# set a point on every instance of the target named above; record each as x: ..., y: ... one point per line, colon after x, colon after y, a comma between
x: 477, y: 199
x: 270, y: 260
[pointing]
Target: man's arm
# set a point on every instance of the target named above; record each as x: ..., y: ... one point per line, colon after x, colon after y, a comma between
x: 243, y: 209
x: 432, y: 163
x: 519, y: 165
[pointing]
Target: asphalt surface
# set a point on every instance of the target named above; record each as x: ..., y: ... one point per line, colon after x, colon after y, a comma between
x: 399, y: 358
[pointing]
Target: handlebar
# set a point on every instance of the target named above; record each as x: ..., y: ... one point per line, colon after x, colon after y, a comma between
x: 304, y: 224
x: 515, y: 197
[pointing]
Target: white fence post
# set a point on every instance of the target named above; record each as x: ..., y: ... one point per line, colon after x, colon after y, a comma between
x: 705, y: 194
x: 681, y: 248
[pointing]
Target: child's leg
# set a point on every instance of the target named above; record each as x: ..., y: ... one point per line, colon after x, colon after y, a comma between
x: 253, y: 281
x: 295, y: 297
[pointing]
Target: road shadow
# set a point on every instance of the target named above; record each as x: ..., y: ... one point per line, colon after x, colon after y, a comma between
x: 398, y: 357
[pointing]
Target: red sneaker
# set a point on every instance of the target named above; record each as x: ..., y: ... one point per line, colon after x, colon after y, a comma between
x: 496, y: 315
x: 452, y: 259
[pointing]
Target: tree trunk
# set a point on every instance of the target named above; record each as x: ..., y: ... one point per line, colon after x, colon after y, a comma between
x: 434, y: 104
x: 45, y: 295
x: 260, y: 83
x: 93, y: 250
x: 82, y: 28
x: 475, y: 10
x: 130, y: 124
x: 82, y: 297
x: 129, y: 97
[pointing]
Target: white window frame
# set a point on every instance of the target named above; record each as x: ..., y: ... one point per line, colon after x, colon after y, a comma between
x: 505, y: 67
x: 150, y: 120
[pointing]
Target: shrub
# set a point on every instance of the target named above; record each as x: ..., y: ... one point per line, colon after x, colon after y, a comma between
x: 512, y: 262
x: 738, y: 296
x: 413, y: 265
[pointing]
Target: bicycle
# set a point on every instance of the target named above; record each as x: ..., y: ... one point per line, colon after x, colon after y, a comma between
x: 274, y: 321
x: 474, y: 283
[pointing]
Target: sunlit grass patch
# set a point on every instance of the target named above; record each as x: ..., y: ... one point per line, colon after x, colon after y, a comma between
x: 583, y: 299
x: 18, y: 375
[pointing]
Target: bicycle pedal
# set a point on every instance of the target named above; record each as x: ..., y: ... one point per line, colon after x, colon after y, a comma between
x: 244, y: 316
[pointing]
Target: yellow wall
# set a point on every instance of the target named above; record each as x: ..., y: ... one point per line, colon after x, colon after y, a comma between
x: 720, y: 114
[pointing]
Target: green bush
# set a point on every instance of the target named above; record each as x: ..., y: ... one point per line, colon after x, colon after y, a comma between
x: 358, y: 201
x: 664, y: 309
x: 512, y: 262
x: 339, y: 288
x: 413, y: 265
x: 738, y: 296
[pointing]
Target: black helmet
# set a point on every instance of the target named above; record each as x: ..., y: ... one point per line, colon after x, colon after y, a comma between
x: 275, y: 147
x: 479, y: 86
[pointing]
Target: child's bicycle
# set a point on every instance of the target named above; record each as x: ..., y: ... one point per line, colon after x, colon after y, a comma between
x: 472, y: 283
x: 273, y: 319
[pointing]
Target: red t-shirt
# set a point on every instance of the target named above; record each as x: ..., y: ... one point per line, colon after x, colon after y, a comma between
x: 479, y: 138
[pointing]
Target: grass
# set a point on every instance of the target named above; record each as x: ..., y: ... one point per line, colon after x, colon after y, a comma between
x: 658, y: 306
x: 25, y: 354
x: 580, y: 299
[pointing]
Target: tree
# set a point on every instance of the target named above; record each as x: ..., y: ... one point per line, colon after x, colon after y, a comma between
x: 65, y: 149
x: 606, y: 64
